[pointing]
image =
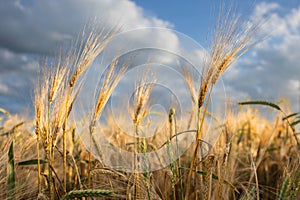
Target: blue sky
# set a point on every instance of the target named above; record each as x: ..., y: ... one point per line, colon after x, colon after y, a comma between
x: 193, y: 17
x: 33, y: 29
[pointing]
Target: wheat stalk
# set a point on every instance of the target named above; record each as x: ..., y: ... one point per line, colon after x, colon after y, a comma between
x: 55, y: 93
x: 231, y: 39
x: 89, y: 49
x: 141, y: 96
x: 111, y: 79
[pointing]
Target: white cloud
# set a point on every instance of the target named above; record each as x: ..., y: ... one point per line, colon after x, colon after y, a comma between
x: 265, y: 8
x: 39, y: 26
x: 33, y: 28
x: 293, y: 19
x: 272, y: 70
x: 36, y: 27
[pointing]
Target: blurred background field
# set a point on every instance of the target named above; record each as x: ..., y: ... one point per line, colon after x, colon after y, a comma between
x: 252, y: 157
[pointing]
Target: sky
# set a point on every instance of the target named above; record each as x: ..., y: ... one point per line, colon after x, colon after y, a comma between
x: 31, y: 30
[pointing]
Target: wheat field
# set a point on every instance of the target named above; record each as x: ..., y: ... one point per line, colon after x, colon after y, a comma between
x: 46, y: 157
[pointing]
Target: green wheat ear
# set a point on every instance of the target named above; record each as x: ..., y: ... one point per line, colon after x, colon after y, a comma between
x: 87, y: 193
x: 284, y: 188
x: 295, y: 186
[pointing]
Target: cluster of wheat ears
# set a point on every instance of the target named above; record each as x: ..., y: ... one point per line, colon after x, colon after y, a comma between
x: 242, y: 165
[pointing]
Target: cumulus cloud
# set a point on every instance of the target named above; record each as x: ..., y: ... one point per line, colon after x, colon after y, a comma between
x: 38, y: 26
x: 31, y: 29
x: 34, y: 28
x: 271, y: 71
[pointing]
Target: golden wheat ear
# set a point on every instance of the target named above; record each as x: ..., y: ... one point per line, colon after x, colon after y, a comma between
x: 56, y: 91
x: 230, y: 40
x: 111, y: 79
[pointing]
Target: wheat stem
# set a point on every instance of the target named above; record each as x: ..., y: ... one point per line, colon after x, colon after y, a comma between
x: 200, y: 122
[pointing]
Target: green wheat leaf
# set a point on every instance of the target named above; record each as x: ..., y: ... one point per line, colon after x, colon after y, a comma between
x: 295, y: 123
x: 264, y: 103
x: 31, y: 162
x: 291, y: 115
x: 11, y: 172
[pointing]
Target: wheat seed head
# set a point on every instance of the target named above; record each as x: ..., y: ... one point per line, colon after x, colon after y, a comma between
x: 143, y: 88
